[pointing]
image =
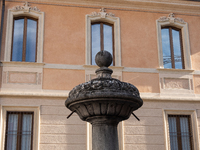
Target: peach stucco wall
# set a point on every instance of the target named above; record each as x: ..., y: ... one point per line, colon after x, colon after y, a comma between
x: 59, y: 79
x: 64, y: 35
x: 145, y: 82
x: 64, y: 43
x: 139, y: 39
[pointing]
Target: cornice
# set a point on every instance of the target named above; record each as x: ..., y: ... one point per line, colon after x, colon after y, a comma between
x: 42, y: 93
x: 167, y: 6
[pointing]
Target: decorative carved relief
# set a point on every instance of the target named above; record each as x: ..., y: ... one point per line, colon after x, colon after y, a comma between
x: 171, y: 18
x: 173, y: 83
x: 26, y: 8
x: 102, y: 87
x: 102, y: 13
x: 22, y: 77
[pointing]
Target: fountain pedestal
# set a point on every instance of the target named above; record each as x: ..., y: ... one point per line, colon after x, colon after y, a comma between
x: 104, y: 134
x: 104, y: 102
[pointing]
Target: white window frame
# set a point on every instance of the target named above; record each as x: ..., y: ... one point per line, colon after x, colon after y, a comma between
x: 194, y: 126
x: 25, y: 10
x: 178, y: 23
x: 34, y: 109
x: 103, y: 17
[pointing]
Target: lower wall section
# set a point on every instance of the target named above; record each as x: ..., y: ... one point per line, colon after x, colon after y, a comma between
x: 150, y: 133
x: 58, y: 133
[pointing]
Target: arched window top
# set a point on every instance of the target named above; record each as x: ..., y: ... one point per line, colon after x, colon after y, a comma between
x: 31, y: 19
x: 173, y: 43
x: 172, y: 27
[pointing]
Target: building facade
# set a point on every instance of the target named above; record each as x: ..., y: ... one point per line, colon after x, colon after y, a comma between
x: 48, y: 47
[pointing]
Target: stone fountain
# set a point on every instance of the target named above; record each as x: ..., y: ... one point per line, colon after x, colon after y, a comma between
x: 104, y: 102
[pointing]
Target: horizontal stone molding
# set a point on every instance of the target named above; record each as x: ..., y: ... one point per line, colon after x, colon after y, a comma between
x: 65, y: 93
x: 188, y: 7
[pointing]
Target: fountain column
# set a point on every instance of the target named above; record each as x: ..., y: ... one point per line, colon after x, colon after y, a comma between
x: 104, y: 102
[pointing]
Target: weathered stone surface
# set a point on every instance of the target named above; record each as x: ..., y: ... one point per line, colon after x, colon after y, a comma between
x: 104, y: 102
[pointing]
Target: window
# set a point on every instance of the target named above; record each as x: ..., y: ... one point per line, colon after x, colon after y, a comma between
x: 102, y: 39
x: 173, y: 43
x: 24, y: 46
x: 24, y: 34
x: 19, y: 131
x: 181, y: 129
x: 180, y: 132
x: 172, y: 48
x: 20, y: 127
x: 103, y: 33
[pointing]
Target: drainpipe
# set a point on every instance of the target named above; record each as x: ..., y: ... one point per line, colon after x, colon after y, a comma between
x: 2, y: 21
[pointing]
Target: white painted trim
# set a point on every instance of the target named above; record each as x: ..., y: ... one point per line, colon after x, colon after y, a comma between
x: 24, y: 12
x: 178, y: 23
x: 194, y: 122
x: 36, y: 126
x: 118, y: 68
x: 170, y: 97
x: 106, y: 17
x: 89, y: 136
x: 35, y: 93
x: 21, y: 64
x: 65, y: 93
x: 64, y: 66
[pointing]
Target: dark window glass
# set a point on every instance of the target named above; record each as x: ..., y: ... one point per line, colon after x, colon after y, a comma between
x: 19, y: 131
x: 18, y: 40
x: 102, y: 39
x: 24, y: 46
x: 172, y: 48
x: 180, y: 132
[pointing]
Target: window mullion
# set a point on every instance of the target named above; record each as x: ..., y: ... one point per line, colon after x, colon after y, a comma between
x: 36, y: 42
x: 178, y: 132
x: 24, y: 40
x: 18, y: 147
x: 171, y: 48
x: 190, y: 132
x: 101, y: 36
x: 32, y: 130
x: 181, y: 46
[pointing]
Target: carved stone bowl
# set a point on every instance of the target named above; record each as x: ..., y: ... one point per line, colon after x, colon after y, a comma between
x: 104, y: 98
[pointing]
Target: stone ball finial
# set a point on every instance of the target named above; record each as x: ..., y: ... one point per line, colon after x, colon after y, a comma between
x: 103, y: 59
